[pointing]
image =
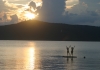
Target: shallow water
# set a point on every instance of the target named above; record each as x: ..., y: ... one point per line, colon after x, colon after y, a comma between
x: 44, y: 55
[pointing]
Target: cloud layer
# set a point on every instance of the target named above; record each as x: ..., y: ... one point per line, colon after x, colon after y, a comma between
x: 82, y: 12
x: 15, y: 12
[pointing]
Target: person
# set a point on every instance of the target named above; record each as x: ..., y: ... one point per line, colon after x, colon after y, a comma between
x: 67, y: 50
x: 72, y: 50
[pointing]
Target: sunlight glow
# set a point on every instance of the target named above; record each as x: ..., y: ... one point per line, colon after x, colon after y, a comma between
x: 23, y: 11
x: 29, y: 15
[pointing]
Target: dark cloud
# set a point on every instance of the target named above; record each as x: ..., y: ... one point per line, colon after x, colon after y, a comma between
x: 83, y: 18
x: 32, y: 4
x: 93, y: 4
x: 52, y: 11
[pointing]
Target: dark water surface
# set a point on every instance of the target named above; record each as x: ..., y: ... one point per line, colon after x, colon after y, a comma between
x: 44, y: 55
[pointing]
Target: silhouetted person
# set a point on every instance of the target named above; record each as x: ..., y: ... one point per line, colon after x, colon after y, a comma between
x: 67, y: 50
x: 72, y: 50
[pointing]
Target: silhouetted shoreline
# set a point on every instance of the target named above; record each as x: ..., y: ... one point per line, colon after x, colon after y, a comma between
x: 38, y: 30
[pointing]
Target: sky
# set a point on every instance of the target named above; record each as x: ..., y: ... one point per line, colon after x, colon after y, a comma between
x: 82, y: 12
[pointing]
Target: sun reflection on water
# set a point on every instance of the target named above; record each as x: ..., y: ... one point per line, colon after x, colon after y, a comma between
x: 31, y: 57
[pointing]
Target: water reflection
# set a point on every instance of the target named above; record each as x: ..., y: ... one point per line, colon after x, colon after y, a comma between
x: 31, y: 58
x: 70, y: 64
x: 24, y: 56
x: 70, y: 60
x: 37, y: 56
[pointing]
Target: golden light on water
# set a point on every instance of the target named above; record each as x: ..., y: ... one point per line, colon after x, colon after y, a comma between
x: 26, y: 57
x: 30, y: 57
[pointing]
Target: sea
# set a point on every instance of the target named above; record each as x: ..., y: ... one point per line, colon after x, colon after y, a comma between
x: 47, y: 55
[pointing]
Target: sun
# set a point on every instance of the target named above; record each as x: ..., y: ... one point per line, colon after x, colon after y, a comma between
x: 29, y: 15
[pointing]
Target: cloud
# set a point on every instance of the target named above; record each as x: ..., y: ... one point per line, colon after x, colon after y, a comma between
x: 32, y: 4
x: 51, y: 10
x: 38, y: 2
x: 80, y: 13
x: 83, y: 12
x: 14, y: 18
x: 35, y: 4
x: 88, y: 17
x: 98, y: 11
x: 7, y: 9
x: 11, y: 5
x: 79, y: 8
x: 15, y: 12
x: 70, y: 3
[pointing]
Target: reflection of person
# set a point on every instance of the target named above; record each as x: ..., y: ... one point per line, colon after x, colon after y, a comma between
x: 67, y: 60
x: 72, y: 50
x: 72, y: 60
x: 67, y: 50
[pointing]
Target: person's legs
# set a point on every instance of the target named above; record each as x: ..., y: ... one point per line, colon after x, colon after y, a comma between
x: 67, y: 53
x: 72, y: 53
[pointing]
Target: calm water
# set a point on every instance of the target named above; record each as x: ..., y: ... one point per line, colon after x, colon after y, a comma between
x: 43, y: 55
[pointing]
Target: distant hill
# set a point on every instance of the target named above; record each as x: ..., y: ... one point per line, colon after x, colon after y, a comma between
x: 38, y: 30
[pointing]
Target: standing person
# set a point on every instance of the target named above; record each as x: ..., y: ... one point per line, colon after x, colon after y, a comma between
x: 72, y: 50
x: 67, y: 50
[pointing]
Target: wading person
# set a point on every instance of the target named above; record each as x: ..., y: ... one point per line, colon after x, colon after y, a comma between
x: 72, y: 50
x: 67, y: 50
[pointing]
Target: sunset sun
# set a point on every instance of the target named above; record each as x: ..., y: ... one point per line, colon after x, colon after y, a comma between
x: 30, y: 15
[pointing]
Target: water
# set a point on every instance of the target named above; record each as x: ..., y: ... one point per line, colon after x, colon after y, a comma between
x: 44, y: 55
